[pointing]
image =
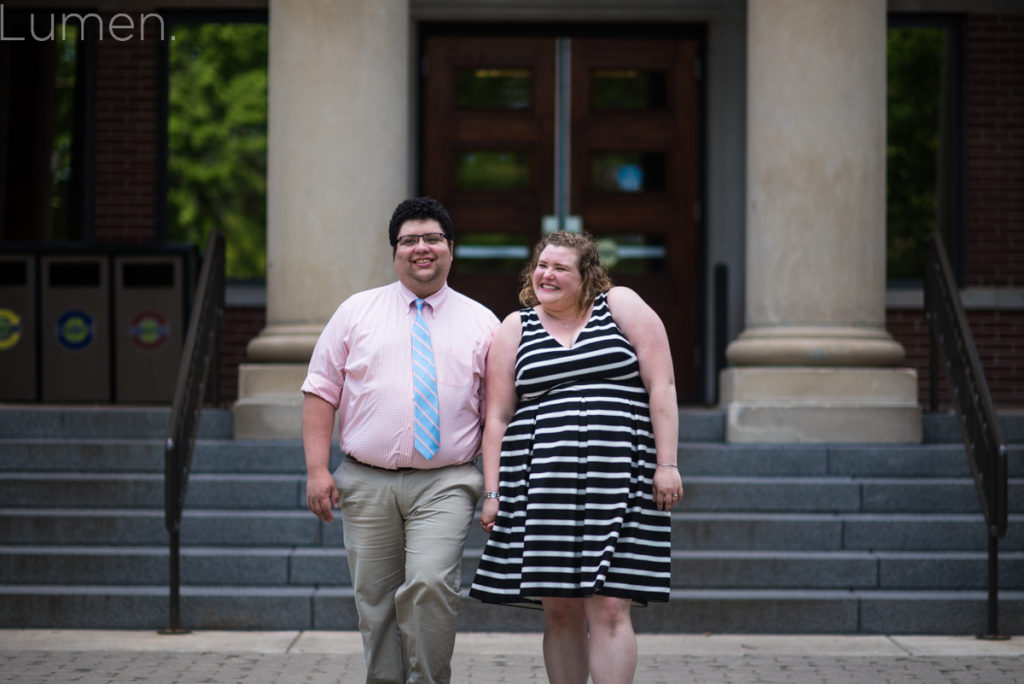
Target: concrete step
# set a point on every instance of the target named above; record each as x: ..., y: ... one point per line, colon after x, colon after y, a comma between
x: 328, y: 567
x: 287, y: 491
x: 690, y: 531
x: 834, y: 460
x: 150, y: 565
x: 66, y: 455
x: 854, y: 570
x: 285, y: 566
x: 141, y: 422
x: 823, y: 612
x: 148, y: 607
x: 833, y: 532
x: 943, y: 427
x: 695, y: 458
x: 697, y: 424
x: 145, y: 527
x: 772, y: 538
x: 103, y: 421
x: 839, y: 494
x: 146, y: 490
x: 714, y: 610
x: 701, y: 425
x: 941, y: 495
x: 70, y: 455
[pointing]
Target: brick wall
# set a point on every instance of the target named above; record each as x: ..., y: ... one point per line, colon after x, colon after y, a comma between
x: 994, y: 150
x: 240, y: 325
x: 994, y: 208
x: 999, y: 337
x: 126, y: 145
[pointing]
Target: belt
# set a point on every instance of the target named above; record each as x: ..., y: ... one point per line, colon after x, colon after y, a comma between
x: 404, y: 469
x: 386, y: 470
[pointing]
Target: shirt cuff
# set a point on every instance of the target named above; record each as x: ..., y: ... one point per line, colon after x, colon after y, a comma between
x: 323, y: 388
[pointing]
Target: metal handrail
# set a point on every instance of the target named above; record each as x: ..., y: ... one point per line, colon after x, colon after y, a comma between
x: 972, y: 403
x: 197, y: 359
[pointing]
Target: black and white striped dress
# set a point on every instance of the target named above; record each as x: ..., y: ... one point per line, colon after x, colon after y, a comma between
x: 576, y: 515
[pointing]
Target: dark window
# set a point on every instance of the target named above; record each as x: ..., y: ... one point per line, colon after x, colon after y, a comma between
x: 628, y: 171
x: 494, y: 89
x: 43, y: 114
x: 500, y: 171
x: 922, y: 149
x: 630, y: 90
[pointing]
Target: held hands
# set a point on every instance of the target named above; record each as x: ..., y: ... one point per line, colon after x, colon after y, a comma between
x: 322, y: 495
x: 489, y: 514
x: 667, y: 492
x: 668, y: 487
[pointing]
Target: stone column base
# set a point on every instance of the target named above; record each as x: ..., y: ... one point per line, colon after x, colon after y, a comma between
x: 269, y: 402
x: 807, y: 404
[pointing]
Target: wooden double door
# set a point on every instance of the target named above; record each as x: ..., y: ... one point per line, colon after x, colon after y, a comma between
x: 527, y: 134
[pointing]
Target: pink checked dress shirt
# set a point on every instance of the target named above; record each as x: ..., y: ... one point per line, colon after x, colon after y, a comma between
x: 362, y: 365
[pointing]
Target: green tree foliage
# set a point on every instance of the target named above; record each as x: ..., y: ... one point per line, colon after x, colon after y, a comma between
x: 66, y: 44
x: 915, y: 60
x: 217, y: 140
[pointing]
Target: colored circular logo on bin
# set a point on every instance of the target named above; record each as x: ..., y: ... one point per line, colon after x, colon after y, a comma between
x: 10, y: 329
x: 148, y: 330
x: 75, y: 329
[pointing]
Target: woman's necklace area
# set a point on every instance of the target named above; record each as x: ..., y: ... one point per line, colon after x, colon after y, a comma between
x: 565, y: 322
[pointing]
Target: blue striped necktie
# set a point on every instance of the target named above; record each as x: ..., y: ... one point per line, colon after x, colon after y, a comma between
x: 424, y: 391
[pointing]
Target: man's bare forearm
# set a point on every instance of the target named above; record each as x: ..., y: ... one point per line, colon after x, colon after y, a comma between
x: 317, y: 426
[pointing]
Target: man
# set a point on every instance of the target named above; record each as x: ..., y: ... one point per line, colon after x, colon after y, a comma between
x: 403, y: 366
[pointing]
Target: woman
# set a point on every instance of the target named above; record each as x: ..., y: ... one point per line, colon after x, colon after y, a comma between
x: 579, y: 458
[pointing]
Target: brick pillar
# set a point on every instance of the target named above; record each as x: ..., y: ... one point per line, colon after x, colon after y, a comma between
x: 126, y: 154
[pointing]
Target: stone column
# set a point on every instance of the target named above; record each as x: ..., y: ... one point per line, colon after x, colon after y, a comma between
x: 815, y: 362
x: 338, y: 163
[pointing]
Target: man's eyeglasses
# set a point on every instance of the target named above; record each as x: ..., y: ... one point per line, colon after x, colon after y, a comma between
x: 432, y: 239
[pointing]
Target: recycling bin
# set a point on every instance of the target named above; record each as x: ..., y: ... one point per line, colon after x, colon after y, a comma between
x: 149, y: 327
x: 18, y: 355
x: 74, y: 301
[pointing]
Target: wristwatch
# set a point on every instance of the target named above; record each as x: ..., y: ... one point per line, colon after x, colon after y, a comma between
x: 490, y: 495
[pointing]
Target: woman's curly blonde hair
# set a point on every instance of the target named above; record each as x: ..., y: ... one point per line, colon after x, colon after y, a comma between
x: 594, y: 278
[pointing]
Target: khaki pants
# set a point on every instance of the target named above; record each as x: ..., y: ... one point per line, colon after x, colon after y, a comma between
x: 404, y: 534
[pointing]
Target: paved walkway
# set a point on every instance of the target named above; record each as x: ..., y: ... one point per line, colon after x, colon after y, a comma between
x: 98, y: 657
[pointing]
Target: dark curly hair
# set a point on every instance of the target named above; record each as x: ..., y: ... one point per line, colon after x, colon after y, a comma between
x: 419, y: 209
x: 594, y: 278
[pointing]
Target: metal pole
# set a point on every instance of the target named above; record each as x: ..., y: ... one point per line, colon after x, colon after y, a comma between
x: 933, y: 348
x: 993, y: 590
x: 933, y: 373
x: 721, y: 321
x: 175, y: 587
x: 175, y: 557
x: 993, y: 584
